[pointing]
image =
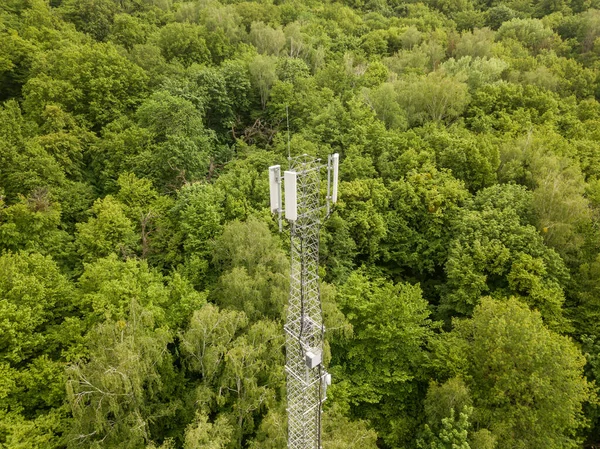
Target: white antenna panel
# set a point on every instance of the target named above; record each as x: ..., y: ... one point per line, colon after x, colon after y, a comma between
x: 291, y: 204
x: 275, y: 187
x: 335, y: 159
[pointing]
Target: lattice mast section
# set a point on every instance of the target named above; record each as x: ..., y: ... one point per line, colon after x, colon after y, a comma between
x: 307, y: 379
x: 304, y: 326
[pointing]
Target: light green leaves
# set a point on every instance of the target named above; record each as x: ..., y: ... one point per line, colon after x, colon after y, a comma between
x: 92, y: 81
x: 380, y: 361
x: 526, y: 381
x: 108, y: 232
x: 111, y: 392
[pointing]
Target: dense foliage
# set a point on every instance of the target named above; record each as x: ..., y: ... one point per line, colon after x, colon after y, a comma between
x: 143, y: 280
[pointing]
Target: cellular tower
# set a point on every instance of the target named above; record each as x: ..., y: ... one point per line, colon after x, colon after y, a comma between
x: 307, y: 379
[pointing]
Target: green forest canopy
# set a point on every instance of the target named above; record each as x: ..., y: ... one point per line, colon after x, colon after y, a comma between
x: 142, y: 278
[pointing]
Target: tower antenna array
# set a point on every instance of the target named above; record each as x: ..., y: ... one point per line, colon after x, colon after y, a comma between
x: 307, y: 379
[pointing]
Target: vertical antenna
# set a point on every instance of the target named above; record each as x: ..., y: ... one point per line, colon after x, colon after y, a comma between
x: 275, y: 192
x: 287, y: 116
x: 291, y: 195
x: 333, y: 164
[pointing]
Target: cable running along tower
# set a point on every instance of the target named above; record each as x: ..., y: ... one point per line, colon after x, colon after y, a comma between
x: 307, y: 379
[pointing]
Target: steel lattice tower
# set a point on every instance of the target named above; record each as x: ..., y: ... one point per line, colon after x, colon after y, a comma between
x: 307, y: 379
